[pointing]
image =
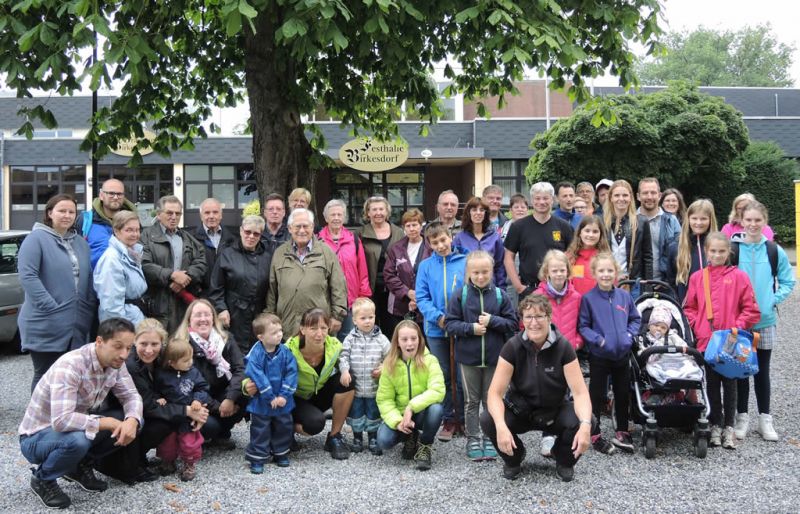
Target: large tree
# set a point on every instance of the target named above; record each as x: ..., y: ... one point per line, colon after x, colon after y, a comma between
x: 360, y: 60
x: 685, y: 138
x: 751, y: 56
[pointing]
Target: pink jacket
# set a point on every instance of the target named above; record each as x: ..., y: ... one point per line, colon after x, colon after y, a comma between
x: 730, y: 229
x: 352, y: 261
x: 565, y: 313
x: 733, y: 302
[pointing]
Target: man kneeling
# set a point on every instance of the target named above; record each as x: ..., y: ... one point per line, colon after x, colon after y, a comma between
x: 63, y: 430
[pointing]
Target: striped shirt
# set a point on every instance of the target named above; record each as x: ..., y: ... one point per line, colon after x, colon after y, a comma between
x: 72, y: 388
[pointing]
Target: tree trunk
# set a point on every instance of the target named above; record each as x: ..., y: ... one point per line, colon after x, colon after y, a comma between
x: 281, y: 151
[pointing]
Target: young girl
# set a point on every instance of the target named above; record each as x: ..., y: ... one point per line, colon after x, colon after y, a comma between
x: 564, y: 299
x: 591, y: 239
x: 734, y: 228
x: 180, y: 382
x: 732, y: 306
x: 480, y: 318
x: 771, y: 288
x: 628, y: 233
x: 410, y: 392
x: 689, y: 256
x: 608, y: 323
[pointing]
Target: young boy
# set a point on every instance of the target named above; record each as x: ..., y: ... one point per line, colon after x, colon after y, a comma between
x: 481, y: 319
x: 273, y: 369
x: 439, y: 277
x: 363, y: 351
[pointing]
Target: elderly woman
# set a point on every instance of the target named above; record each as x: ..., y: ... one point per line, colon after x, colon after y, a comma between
x: 240, y: 279
x: 130, y: 463
x: 378, y: 235
x: 56, y: 274
x: 304, y: 274
x: 350, y: 251
x: 400, y: 271
x: 476, y: 235
x: 529, y: 391
x: 219, y: 359
x: 118, y: 277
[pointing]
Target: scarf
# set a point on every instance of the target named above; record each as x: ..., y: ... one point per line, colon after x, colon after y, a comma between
x: 212, y: 350
x: 555, y: 293
x: 619, y: 235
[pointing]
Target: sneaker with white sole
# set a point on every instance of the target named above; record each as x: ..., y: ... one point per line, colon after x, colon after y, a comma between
x: 623, y: 441
x: 742, y: 425
x: 716, y: 436
x: 728, y: 439
x: 547, y: 445
x: 765, y: 428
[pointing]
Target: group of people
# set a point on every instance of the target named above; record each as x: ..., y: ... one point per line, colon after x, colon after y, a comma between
x: 410, y: 334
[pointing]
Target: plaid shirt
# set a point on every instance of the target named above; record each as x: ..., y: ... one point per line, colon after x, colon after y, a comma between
x: 72, y: 388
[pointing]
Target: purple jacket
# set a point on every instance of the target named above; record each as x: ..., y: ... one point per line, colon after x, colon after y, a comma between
x: 491, y: 242
x: 399, y: 274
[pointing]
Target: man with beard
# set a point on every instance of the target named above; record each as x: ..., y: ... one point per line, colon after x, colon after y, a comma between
x: 664, y: 228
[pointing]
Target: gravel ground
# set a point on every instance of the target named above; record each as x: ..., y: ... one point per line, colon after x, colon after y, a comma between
x: 758, y: 476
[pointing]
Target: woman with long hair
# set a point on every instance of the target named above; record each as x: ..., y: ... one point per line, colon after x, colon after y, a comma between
x: 628, y: 233
x: 690, y: 254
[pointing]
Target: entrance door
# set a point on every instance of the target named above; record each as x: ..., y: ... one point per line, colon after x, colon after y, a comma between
x: 143, y: 186
x: 403, y: 188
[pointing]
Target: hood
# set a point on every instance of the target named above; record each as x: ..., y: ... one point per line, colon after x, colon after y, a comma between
x: 97, y: 207
x: 70, y: 234
x: 457, y: 253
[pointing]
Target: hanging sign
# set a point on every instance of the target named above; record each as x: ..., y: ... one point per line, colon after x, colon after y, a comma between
x: 125, y: 146
x: 367, y: 154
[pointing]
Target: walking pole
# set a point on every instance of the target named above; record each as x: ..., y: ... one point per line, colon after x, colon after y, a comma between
x: 453, y: 385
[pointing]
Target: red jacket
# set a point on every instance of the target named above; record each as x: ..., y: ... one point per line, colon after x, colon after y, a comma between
x: 352, y: 261
x: 733, y: 302
x: 565, y: 313
x: 582, y: 277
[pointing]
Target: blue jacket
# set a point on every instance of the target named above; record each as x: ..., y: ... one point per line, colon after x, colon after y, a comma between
x: 669, y: 233
x: 492, y: 243
x: 55, y: 315
x: 753, y: 260
x: 471, y: 349
x: 274, y: 375
x: 95, y: 227
x: 438, y: 279
x: 119, y: 277
x: 608, y: 322
x: 182, y: 388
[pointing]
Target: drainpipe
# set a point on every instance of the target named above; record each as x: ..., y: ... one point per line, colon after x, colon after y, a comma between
x: 776, y: 105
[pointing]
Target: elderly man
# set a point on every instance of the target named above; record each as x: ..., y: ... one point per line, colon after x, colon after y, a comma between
x: 174, y: 265
x: 212, y: 235
x: 276, y: 232
x: 95, y: 224
x: 446, y: 210
x: 532, y: 237
x: 305, y: 273
x: 63, y: 430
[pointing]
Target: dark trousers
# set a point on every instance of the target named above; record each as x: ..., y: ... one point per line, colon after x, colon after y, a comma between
x: 217, y: 427
x: 724, y: 405
x: 126, y: 463
x: 41, y: 363
x: 761, y: 382
x: 269, y: 435
x: 310, y: 414
x: 599, y: 372
x: 561, y: 422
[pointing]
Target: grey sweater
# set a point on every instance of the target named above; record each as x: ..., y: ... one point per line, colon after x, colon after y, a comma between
x: 362, y: 353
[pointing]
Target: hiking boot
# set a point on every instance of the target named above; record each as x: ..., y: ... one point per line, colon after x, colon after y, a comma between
x: 489, y: 451
x: 728, y: 439
x: 167, y: 468
x: 336, y: 445
x: 565, y: 473
x: 358, y: 442
x: 410, y: 446
x: 423, y: 456
x: 282, y: 461
x: 84, y: 476
x: 141, y: 475
x: 512, y: 472
x: 256, y: 468
x: 742, y: 425
x: 224, y: 444
x: 765, y: 428
x: 602, y: 446
x: 50, y: 493
x: 623, y: 441
x: 188, y: 473
x: 474, y: 450
x: 448, y: 429
x: 372, y: 443
x: 716, y: 436
x: 547, y: 445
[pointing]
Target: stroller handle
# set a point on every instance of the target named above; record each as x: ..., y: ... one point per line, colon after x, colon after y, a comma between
x: 649, y: 282
x: 654, y: 350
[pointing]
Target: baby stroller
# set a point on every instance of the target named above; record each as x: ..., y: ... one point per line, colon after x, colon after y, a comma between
x: 663, y: 373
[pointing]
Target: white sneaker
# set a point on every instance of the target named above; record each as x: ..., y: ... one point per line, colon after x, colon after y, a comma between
x: 716, y: 436
x: 728, y: 439
x: 765, y: 428
x: 547, y: 445
x: 742, y: 425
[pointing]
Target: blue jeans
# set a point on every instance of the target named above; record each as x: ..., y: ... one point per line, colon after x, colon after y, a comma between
x: 440, y: 348
x: 426, y: 422
x: 58, y: 453
x: 269, y: 435
x: 364, y: 415
x: 347, y: 326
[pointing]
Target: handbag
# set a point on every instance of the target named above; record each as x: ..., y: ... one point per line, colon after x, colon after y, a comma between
x: 731, y: 352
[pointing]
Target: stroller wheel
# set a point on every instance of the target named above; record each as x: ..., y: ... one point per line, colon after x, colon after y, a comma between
x: 649, y: 447
x: 701, y: 448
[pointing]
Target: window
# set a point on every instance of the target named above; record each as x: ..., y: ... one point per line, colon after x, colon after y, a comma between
x: 33, y: 186
x: 9, y: 248
x: 232, y: 184
x: 510, y: 175
x: 402, y: 187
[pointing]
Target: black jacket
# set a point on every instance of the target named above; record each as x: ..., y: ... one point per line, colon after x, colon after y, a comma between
x: 641, y: 265
x: 144, y: 381
x: 220, y: 387
x: 228, y: 236
x: 239, y: 285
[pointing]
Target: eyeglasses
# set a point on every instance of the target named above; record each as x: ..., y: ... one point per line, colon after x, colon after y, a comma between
x: 173, y: 213
x: 251, y: 233
x: 531, y: 317
x: 112, y: 194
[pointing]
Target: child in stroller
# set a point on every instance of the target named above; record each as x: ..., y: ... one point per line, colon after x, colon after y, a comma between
x: 664, y: 366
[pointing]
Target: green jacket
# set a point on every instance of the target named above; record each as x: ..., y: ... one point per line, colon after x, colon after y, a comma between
x: 308, y: 381
x: 372, y: 249
x: 409, y: 386
x: 296, y: 287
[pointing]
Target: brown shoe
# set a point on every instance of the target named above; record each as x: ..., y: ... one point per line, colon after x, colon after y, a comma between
x: 447, y: 431
x: 167, y: 468
x: 188, y: 472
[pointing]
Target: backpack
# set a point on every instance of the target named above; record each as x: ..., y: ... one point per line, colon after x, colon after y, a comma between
x: 464, y: 289
x: 772, y: 255
x: 86, y: 226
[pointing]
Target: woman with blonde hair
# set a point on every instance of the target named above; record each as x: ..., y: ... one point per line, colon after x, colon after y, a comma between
x: 735, y: 226
x: 628, y: 233
x: 690, y: 255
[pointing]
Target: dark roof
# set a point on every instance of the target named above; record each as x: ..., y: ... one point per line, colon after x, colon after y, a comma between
x: 507, y: 139
x: 71, y: 112
x: 786, y: 133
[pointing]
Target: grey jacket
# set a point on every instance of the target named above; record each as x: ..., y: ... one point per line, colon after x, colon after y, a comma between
x: 56, y: 315
x: 362, y: 353
x: 157, y: 267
